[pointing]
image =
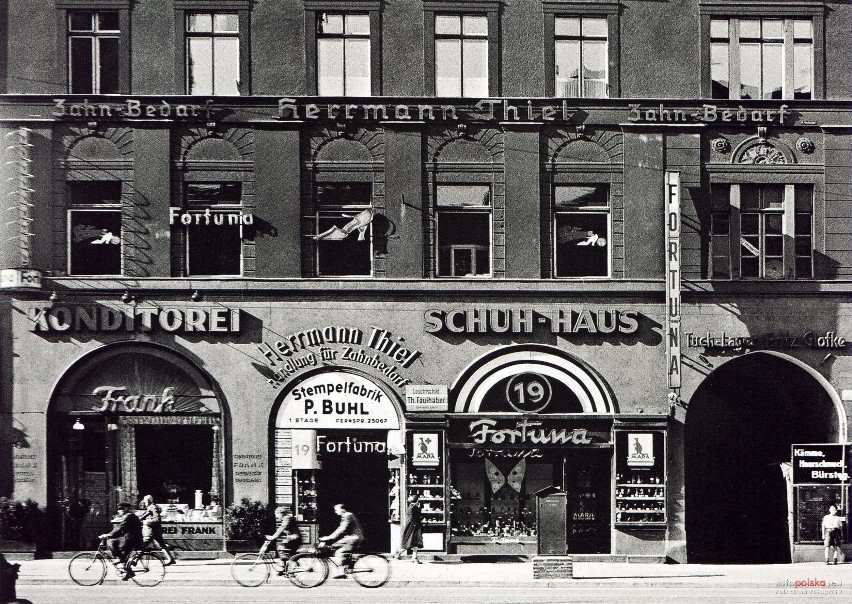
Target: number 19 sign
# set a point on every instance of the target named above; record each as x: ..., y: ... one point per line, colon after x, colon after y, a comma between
x: 528, y: 392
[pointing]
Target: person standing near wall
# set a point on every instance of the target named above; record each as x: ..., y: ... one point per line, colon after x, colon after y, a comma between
x: 412, y: 534
x: 832, y: 533
x: 152, y: 527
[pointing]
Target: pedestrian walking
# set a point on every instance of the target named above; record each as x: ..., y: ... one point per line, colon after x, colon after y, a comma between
x: 832, y: 533
x: 152, y: 527
x: 412, y: 534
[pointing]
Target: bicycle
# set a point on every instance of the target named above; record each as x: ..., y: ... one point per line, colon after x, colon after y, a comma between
x: 369, y: 569
x: 90, y: 568
x: 302, y: 569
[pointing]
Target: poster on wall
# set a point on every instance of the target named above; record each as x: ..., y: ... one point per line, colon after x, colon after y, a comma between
x: 640, y: 449
x: 425, y: 451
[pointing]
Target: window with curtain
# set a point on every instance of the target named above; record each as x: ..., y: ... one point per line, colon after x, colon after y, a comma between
x: 461, y: 55
x: 762, y: 58
x: 581, y: 57
x: 213, y: 53
x: 343, y: 54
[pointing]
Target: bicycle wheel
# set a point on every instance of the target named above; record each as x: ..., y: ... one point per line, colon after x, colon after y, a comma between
x: 371, y: 570
x: 250, y: 570
x: 307, y: 570
x: 87, y: 568
x: 148, y: 570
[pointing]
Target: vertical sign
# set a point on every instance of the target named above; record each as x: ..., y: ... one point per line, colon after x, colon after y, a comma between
x: 672, y: 196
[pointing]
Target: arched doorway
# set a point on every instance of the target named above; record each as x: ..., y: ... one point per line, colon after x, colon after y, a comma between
x: 131, y: 419
x: 337, y: 438
x: 740, y: 426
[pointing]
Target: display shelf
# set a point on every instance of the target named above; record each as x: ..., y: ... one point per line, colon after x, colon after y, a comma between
x: 428, y: 483
x: 306, y: 496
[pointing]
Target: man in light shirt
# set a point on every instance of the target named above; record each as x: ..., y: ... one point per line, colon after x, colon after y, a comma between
x: 832, y: 533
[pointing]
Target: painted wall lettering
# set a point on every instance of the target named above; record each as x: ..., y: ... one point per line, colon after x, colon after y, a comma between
x: 526, y: 320
x: 134, y: 318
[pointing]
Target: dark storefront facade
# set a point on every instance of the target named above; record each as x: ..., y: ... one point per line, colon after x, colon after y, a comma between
x: 456, y: 269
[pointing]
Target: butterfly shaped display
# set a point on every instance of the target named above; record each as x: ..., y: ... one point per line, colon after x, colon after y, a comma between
x: 497, y: 479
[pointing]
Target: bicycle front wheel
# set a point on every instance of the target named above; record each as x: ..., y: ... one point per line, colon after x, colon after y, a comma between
x: 148, y: 570
x: 371, y: 570
x: 307, y: 570
x: 250, y: 570
x: 87, y: 568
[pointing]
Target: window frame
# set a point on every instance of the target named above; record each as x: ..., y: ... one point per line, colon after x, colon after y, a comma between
x: 741, y: 10
x: 490, y: 9
x: 183, y: 8
x: 313, y: 8
x: 326, y: 211
x: 591, y: 210
x: 81, y: 208
x: 788, y: 212
x: 63, y: 63
x: 480, y: 210
x: 215, y: 208
x: 344, y: 37
x: 608, y: 9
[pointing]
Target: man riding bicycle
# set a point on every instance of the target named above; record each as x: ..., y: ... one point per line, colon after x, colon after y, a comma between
x: 347, y: 537
x: 287, y: 538
x: 124, y: 538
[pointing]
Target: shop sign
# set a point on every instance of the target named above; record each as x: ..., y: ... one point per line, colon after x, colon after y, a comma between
x: 20, y: 277
x: 208, y: 218
x: 526, y: 320
x: 425, y: 449
x: 337, y: 399
x: 113, y: 400
x: 426, y: 397
x: 379, y: 349
x: 782, y: 340
x: 820, y: 464
x: 488, y: 432
x: 196, y: 530
x: 350, y: 444
x: 132, y: 108
x: 709, y: 114
x: 134, y: 318
x: 640, y: 449
x: 672, y: 230
x: 304, y: 450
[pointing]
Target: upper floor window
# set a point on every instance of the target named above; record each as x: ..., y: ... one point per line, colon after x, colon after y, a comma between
x: 343, y: 219
x: 463, y: 224
x: 582, y: 231
x: 762, y: 58
x: 93, y: 52
x: 461, y: 55
x: 213, y: 219
x: 213, y: 53
x: 581, y: 57
x: 94, y: 228
x: 762, y: 231
x: 343, y: 55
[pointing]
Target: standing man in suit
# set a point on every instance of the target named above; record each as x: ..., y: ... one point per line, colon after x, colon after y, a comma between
x: 124, y: 538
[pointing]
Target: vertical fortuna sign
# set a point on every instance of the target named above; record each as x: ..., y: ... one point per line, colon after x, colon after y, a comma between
x: 672, y: 194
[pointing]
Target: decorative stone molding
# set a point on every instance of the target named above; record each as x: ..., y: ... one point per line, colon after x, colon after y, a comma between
x: 720, y: 145
x: 805, y: 145
x: 763, y: 154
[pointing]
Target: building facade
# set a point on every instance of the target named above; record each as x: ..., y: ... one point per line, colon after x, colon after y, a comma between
x: 312, y: 251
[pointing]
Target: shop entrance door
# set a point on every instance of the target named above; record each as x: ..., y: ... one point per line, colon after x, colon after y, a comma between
x: 588, y: 485
x: 354, y: 472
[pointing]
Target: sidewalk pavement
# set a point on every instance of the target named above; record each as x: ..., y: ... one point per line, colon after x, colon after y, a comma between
x: 514, y: 574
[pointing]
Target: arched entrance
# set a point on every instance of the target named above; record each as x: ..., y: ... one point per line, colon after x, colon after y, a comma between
x: 740, y: 426
x: 134, y: 419
x: 337, y: 438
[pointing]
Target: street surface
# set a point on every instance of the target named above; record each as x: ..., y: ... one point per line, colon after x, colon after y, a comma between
x: 287, y: 594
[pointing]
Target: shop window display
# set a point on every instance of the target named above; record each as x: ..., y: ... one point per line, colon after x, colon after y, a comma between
x: 640, y: 481
x: 94, y: 228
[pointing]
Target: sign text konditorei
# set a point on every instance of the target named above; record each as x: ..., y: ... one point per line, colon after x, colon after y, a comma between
x: 94, y: 318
